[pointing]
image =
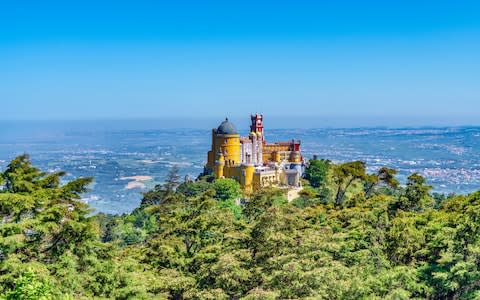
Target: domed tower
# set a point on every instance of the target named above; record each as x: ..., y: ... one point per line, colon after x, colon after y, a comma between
x: 225, y: 141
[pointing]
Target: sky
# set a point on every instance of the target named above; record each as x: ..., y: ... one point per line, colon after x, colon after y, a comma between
x: 334, y: 63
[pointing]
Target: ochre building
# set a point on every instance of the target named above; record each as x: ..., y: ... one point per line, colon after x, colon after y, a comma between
x: 252, y: 161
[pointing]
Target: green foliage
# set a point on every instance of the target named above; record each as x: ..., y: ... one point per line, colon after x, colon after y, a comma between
x: 263, y: 200
x: 125, y: 230
x: 345, y: 175
x: 226, y: 189
x: 29, y: 287
x: 307, y: 197
x: 20, y: 176
x: 319, y: 183
x: 385, y: 177
x: 192, y: 189
x: 416, y: 196
x: 188, y: 246
x: 228, y: 192
x: 317, y: 172
x: 41, y: 222
x: 350, y: 235
x: 163, y: 192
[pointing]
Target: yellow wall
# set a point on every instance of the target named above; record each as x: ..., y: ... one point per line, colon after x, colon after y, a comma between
x: 246, y: 179
x: 270, y: 150
x: 274, y: 147
x: 267, y: 156
x: 219, y: 166
x: 229, y: 145
x: 276, y: 156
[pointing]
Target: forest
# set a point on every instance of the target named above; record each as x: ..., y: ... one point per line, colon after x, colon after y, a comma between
x: 352, y: 234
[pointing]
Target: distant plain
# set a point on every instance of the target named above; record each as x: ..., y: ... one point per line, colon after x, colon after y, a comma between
x: 128, y: 160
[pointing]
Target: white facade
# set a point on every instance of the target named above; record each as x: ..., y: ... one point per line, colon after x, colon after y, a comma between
x: 251, y: 150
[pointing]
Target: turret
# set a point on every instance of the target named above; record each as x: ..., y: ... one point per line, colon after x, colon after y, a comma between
x: 219, y: 165
x: 246, y: 179
x: 257, y: 124
x: 260, y: 149
x: 227, y: 140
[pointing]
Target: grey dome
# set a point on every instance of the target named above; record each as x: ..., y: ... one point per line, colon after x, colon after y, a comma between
x: 227, y: 127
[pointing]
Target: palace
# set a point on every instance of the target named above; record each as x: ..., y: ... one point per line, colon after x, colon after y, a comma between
x: 252, y: 161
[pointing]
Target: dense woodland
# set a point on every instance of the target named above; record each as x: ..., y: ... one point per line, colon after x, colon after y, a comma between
x: 351, y: 235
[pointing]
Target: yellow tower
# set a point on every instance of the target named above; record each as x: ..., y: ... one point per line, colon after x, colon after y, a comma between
x: 219, y: 166
x: 225, y: 152
x: 227, y: 142
x: 246, y: 179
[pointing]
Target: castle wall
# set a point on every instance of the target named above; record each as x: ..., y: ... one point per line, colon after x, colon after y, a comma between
x: 229, y: 145
x: 246, y: 179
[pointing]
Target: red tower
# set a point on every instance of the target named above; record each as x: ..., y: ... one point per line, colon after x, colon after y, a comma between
x: 257, y: 124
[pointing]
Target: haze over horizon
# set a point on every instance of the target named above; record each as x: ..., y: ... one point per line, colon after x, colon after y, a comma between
x: 342, y: 64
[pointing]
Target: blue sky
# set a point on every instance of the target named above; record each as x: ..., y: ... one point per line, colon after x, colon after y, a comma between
x: 334, y: 62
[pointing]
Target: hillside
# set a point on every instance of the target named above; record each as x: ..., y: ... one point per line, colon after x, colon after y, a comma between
x: 350, y: 235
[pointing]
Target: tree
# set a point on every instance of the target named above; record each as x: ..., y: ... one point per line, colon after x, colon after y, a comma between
x: 262, y: 200
x: 385, y: 176
x: 226, y: 189
x: 173, y: 179
x: 308, y: 197
x: 317, y: 171
x: 20, y: 176
x: 191, y: 246
x: 29, y: 287
x: 163, y: 192
x: 345, y: 175
x: 416, y: 196
x: 378, y: 241
x: 453, y: 270
x: 43, y: 222
x: 192, y: 189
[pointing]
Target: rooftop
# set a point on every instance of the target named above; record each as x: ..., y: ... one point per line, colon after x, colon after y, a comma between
x: 227, y: 127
